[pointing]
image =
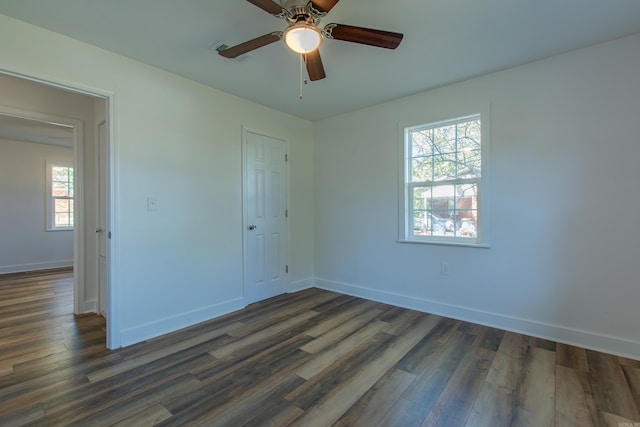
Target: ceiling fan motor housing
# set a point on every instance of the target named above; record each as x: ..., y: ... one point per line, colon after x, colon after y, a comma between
x: 301, y: 10
x: 288, y: 4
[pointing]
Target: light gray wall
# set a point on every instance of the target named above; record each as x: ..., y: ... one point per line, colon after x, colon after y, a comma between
x: 179, y: 142
x: 564, y: 256
x: 24, y: 243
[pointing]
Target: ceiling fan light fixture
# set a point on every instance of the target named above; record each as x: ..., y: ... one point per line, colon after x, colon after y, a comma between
x: 303, y: 37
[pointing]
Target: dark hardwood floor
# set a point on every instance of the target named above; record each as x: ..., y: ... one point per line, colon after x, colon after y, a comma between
x: 313, y: 358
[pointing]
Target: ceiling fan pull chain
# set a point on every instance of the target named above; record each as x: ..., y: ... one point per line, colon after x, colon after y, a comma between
x: 301, y: 61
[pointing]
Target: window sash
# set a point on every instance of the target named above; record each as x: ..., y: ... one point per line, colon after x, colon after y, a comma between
x: 411, y: 209
x: 58, y: 212
x: 52, y: 212
x: 478, y: 209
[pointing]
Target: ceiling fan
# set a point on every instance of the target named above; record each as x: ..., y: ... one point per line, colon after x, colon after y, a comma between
x: 304, y: 36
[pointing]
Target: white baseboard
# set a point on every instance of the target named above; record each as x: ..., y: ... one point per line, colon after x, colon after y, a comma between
x: 300, y: 285
x: 35, y: 266
x: 170, y: 324
x: 586, y: 339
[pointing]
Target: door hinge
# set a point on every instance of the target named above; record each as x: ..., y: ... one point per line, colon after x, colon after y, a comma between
x: 109, y: 235
x: 286, y: 269
x: 286, y: 213
x: 286, y: 157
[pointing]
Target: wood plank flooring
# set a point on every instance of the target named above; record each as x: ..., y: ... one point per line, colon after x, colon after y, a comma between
x: 313, y: 358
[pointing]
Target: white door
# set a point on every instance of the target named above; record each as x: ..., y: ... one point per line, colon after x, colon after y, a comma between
x: 265, y: 249
x: 101, y: 229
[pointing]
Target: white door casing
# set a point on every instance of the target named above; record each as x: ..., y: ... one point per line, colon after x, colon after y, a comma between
x: 265, y: 207
x: 113, y: 308
x: 102, y: 234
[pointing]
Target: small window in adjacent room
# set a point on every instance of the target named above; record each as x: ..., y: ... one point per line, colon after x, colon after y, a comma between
x: 59, y: 197
x: 444, y: 180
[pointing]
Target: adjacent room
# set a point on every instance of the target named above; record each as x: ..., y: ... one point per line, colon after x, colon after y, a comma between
x: 319, y: 212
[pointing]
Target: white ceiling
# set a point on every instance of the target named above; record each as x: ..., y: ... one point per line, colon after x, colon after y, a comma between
x: 21, y: 129
x: 445, y: 41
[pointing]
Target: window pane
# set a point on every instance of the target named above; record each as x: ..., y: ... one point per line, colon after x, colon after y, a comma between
x: 438, y: 227
x: 420, y: 208
x: 63, y: 220
x: 445, y: 139
x: 421, y: 143
x: 61, y: 205
x: 469, y: 135
x: 422, y: 198
x: 444, y: 192
x: 469, y: 164
x: 59, y: 173
x: 420, y: 226
x: 422, y: 169
x: 60, y: 189
x: 468, y: 224
x: 444, y: 167
x: 467, y: 193
x: 467, y: 209
x: 442, y: 210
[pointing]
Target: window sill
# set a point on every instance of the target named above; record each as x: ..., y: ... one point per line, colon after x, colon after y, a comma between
x: 462, y: 244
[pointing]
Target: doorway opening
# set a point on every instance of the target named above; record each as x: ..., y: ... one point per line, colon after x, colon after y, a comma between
x: 61, y: 131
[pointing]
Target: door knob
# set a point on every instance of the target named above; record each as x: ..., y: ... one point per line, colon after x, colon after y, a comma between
x: 98, y: 230
x: 251, y: 227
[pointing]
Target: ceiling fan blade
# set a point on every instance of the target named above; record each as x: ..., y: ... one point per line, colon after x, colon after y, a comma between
x: 324, y: 5
x: 268, y: 6
x: 248, y: 46
x: 315, y: 69
x: 378, y: 38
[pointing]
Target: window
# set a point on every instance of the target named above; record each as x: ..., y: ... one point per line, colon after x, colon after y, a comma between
x: 59, y: 185
x: 443, y: 194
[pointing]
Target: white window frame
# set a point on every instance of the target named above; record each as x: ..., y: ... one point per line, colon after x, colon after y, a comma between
x: 405, y: 214
x: 50, y: 224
